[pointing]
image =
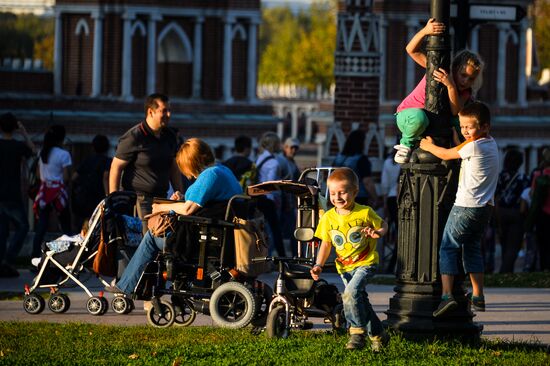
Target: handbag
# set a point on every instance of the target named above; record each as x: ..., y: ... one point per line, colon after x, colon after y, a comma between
x: 105, y: 260
x: 250, y: 242
x: 161, y: 223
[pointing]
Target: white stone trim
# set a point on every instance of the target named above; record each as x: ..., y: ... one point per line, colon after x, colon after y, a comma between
x: 82, y: 25
x: 173, y: 26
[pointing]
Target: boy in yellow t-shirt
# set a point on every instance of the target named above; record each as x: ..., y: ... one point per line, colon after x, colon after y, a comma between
x: 352, y: 229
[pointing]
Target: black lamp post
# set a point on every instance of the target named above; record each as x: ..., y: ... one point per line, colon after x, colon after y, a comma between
x: 426, y: 194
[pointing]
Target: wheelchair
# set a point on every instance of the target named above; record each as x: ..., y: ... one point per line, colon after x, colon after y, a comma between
x: 197, y: 273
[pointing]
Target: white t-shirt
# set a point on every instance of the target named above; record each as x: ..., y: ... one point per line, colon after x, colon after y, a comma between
x: 478, y: 177
x: 53, y: 171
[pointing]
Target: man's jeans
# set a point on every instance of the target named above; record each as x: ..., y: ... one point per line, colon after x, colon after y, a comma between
x: 463, y: 233
x: 14, y: 212
x: 357, y: 308
x: 146, y: 252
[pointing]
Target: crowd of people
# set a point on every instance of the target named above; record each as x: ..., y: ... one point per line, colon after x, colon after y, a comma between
x: 150, y: 162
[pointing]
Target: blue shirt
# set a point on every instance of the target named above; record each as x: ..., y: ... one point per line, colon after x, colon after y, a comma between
x: 216, y: 183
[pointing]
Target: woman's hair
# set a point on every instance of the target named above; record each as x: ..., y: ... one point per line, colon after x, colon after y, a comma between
x: 54, y: 136
x: 101, y: 144
x: 355, y: 143
x: 464, y: 58
x: 513, y: 160
x: 193, y: 157
x: 344, y: 175
x: 270, y: 141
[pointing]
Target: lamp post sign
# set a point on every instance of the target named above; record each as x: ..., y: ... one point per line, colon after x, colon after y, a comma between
x: 494, y: 13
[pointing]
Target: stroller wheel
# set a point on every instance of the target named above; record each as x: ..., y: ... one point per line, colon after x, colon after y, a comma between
x: 185, y: 315
x: 96, y: 306
x: 33, y: 303
x: 105, y: 305
x: 59, y: 303
x: 276, y: 326
x: 164, y: 318
x: 122, y: 305
x: 232, y: 305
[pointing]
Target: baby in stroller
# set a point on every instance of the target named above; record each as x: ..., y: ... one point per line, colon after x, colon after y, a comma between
x: 68, y: 257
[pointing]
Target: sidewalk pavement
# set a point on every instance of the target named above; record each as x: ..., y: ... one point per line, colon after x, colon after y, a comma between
x: 513, y: 314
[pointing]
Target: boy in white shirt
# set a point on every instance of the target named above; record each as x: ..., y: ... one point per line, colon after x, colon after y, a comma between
x: 473, y: 204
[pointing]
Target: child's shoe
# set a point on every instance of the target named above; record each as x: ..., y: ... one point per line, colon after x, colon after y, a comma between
x: 378, y: 342
x: 477, y: 302
x: 447, y: 304
x: 356, y: 341
x: 403, y: 154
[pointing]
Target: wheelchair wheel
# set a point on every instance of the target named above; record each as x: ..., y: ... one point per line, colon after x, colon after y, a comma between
x: 105, y: 305
x: 59, y: 303
x: 121, y: 305
x: 185, y: 315
x: 276, y: 326
x: 165, y: 318
x: 33, y: 303
x: 96, y: 306
x: 232, y: 305
x: 263, y: 300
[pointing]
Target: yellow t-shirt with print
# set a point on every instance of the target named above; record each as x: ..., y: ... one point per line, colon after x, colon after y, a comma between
x: 353, y: 249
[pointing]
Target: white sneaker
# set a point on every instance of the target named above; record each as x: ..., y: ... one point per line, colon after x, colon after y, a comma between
x: 403, y: 154
x: 36, y: 261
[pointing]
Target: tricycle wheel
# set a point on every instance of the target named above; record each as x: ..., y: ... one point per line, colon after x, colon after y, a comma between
x: 276, y: 326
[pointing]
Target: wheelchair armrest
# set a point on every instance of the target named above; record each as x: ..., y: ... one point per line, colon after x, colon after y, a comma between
x: 199, y: 220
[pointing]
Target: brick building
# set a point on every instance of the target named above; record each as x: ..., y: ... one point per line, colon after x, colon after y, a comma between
x: 110, y: 54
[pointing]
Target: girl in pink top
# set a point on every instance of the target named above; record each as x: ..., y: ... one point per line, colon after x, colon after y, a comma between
x: 466, y: 70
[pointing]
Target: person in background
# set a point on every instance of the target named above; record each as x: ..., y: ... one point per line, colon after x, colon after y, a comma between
x: 144, y: 161
x: 269, y: 169
x: 540, y: 209
x: 289, y: 204
x: 13, y: 154
x: 388, y: 184
x: 54, y: 168
x: 240, y: 162
x: 509, y: 219
x: 353, y: 157
x: 90, y: 182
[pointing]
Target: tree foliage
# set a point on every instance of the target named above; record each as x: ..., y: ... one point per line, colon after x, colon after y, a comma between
x: 27, y: 36
x: 298, y: 48
x: 541, y: 15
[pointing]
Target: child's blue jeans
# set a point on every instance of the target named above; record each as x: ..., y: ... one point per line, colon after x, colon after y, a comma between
x: 357, y: 308
x: 462, y: 235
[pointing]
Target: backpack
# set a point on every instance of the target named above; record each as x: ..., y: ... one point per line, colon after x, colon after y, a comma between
x: 250, y: 177
x: 542, y: 186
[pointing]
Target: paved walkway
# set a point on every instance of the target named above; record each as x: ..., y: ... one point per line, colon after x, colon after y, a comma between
x: 512, y: 314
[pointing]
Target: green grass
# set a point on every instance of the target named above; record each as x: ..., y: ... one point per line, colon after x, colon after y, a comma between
x: 87, y: 344
x: 522, y: 279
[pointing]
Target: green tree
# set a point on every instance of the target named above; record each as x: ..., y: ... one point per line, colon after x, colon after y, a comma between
x: 298, y: 48
x: 27, y: 36
x: 541, y: 15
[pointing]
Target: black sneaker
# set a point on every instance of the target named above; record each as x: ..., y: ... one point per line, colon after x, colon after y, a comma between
x: 356, y: 341
x: 113, y: 289
x: 445, y: 306
x: 477, y: 302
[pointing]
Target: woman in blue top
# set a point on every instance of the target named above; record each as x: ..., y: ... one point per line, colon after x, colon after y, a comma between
x: 214, y: 183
